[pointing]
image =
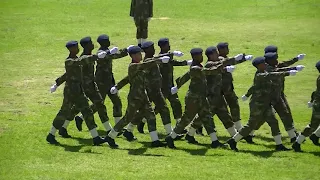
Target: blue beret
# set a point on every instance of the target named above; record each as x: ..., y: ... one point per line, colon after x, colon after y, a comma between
x: 71, y: 44
x: 103, y: 37
x: 318, y: 65
x: 271, y: 56
x: 222, y: 45
x: 134, y: 50
x: 84, y: 41
x: 147, y: 44
x: 271, y: 48
x: 196, y: 51
x: 258, y: 60
x: 163, y: 41
x: 211, y: 50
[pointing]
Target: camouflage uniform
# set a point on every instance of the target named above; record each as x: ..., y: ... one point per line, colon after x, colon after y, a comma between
x: 105, y: 80
x: 196, y: 101
x: 74, y: 94
x: 315, y: 118
x: 281, y: 105
x: 229, y: 94
x: 137, y: 97
x: 141, y: 10
x: 153, y: 87
x: 260, y: 103
x: 167, y: 82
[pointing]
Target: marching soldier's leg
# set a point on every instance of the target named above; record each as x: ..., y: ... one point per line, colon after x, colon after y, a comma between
x: 219, y: 107
x: 286, y: 118
x: 176, y: 106
x: 148, y: 113
x: 315, y: 137
x: 191, y: 109
x: 232, y: 100
x: 309, y: 129
x: 117, y: 106
x: 275, y: 130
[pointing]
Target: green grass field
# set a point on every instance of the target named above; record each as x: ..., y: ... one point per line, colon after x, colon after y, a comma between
x: 33, y: 34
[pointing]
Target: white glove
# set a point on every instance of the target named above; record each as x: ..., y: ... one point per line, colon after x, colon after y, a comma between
x: 189, y: 62
x: 53, y: 88
x: 149, y: 19
x: 177, y: 53
x: 102, y: 54
x: 238, y: 57
x: 310, y: 104
x: 293, y: 72
x: 300, y: 67
x: 165, y: 59
x: 114, y: 50
x: 129, y: 47
x: 244, y: 98
x: 230, y: 69
x: 174, y: 90
x: 248, y: 57
x: 301, y: 56
x: 114, y: 90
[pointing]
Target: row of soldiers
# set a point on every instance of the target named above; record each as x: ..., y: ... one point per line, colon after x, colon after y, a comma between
x: 210, y: 92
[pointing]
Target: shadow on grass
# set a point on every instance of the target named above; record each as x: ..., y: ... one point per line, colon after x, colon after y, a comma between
x: 142, y: 150
x: 263, y: 138
x: 263, y: 154
x: 77, y: 149
x: 83, y: 141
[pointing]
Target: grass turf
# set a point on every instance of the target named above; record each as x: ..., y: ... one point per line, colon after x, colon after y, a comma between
x: 33, y: 34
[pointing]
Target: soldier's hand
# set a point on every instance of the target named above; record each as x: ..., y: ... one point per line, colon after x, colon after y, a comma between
x: 165, y: 59
x: 293, y: 72
x: 244, y: 98
x: 301, y: 56
x: 114, y: 50
x: 174, y: 90
x: 102, y: 54
x: 129, y: 47
x: 248, y: 57
x: 300, y: 67
x: 230, y: 69
x: 53, y: 88
x: 177, y: 53
x: 189, y: 62
x: 114, y: 90
x: 238, y: 57
x: 310, y: 104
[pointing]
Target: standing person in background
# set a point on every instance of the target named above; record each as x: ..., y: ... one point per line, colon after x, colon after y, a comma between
x: 141, y: 11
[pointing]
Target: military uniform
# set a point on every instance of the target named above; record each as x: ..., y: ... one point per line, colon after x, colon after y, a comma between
x: 74, y: 96
x: 260, y: 106
x: 137, y: 97
x: 167, y: 83
x: 196, y: 102
x: 105, y: 80
x: 280, y: 103
x: 141, y: 10
x: 315, y: 119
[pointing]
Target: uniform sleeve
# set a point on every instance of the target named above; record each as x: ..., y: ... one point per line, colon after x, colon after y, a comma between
x: 88, y: 59
x: 148, y: 63
x: 150, y: 8
x: 250, y: 91
x: 132, y: 8
x: 61, y: 79
x: 287, y: 63
x: 178, y: 63
x: 286, y: 69
x: 183, y: 79
x: 123, y: 53
x: 122, y: 82
x: 231, y: 61
x: 273, y: 74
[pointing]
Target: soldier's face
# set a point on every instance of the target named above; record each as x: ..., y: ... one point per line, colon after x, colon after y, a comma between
x: 165, y: 48
x: 262, y: 67
x: 74, y: 50
x: 273, y: 62
x: 198, y: 58
x: 214, y: 56
x: 105, y: 43
x: 136, y: 57
x: 224, y: 51
x: 90, y: 46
